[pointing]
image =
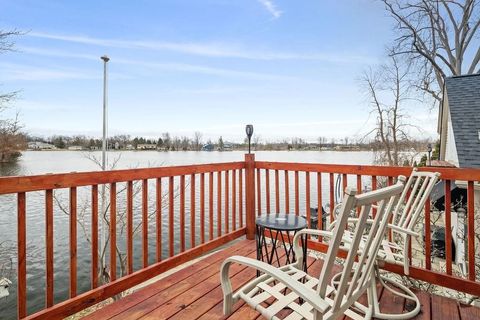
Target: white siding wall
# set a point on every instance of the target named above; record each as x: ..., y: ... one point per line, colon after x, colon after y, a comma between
x: 450, y: 148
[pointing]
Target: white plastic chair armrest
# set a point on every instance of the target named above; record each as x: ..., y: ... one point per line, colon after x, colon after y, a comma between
x: 296, y: 241
x: 390, y: 226
x: 403, y: 230
x: 302, y: 291
x: 350, y: 220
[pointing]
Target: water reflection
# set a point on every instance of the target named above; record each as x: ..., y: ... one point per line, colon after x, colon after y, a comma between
x: 10, y: 169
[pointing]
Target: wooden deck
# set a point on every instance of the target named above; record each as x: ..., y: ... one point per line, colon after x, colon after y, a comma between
x: 195, y: 293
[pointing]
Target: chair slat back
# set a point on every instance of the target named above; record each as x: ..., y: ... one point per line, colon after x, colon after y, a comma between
x: 415, y: 195
x: 355, y: 277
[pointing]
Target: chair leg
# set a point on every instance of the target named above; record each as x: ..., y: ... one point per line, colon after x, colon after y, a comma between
x: 226, y: 288
x: 406, y: 293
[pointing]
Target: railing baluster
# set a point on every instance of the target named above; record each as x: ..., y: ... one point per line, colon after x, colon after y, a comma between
x: 390, y: 181
x: 374, y: 187
x: 287, y: 193
x: 145, y: 222
x: 129, y: 227
x: 297, y: 195
x: 428, y: 241
x: 210, y: 206
x: 259, y: 193
x: 319, y: 201
x: 332, y: 198
x: 171, y: 216
x: 219, y: 203
x: 234, y: 200
x: 227, y: 202
x: 267, y: 189
x: 94, y: 266
x: 240, y: 196
x: 158, y: 219
x: 359, y: 189
x: 277, y: 193
x: 448, y: 226
x: 202, y: 207
x: 182, y: 213
x: 22, y: 256
x: 471, y: 231
x: 344, y: 182
x: 73, y: 242
x: 192, y: 210
x: 307, y: 198
x: 49, y: 246
x: 113, y: 232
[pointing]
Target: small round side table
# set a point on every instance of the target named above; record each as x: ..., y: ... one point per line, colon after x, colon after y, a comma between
x: 279, y: 228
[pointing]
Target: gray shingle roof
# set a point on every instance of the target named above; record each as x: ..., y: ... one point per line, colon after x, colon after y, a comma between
x: 463, y: 94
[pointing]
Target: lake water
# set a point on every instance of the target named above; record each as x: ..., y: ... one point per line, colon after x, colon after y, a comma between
x: 41, y: 162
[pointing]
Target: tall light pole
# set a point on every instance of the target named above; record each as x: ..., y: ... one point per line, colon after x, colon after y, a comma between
x: 105, y: 59
x: 103, y: 238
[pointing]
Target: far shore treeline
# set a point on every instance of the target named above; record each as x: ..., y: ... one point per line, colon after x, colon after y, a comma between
x: 167, y: 142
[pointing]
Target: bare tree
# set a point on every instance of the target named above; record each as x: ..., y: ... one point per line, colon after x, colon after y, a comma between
x: 322, y: 141
x: 197, y: 140
x: 256, y: 142
x: 387, y: 89
x: 439, y: 36
x: 84, y: 211
x: 12, y: 141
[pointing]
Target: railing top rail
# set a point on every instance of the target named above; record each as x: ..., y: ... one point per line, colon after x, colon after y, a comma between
x: 469, y: 174
x: 77, y: 179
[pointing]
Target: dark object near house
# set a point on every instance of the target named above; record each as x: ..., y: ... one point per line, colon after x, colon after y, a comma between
x: 437, y: 245
x: 458, y: 196
x: 314, y: 218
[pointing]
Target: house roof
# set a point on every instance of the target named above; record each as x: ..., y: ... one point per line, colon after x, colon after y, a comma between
x: 463, y: 93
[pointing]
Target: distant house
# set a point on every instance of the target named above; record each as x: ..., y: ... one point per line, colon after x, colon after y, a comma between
x: 208, y: 147
x: 40, y: 146
x: 75, y: 148
x: 459, y: 121
x: 146, y: 146
x: 227, y: 146
x: 129, y: 147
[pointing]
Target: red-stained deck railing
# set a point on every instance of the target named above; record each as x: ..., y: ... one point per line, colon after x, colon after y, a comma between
x: 241, y: 190
x: 230, y: 201
x: 356, y: 176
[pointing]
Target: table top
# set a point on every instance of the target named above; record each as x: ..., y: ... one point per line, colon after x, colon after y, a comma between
x: 282, y: 222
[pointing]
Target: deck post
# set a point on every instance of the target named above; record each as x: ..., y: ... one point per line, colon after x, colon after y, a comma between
x: 250, y: 194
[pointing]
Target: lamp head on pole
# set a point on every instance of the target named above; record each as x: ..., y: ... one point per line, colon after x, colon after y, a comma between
x: 105, y: 58
x: 429, y: 150
x: 249, y: 132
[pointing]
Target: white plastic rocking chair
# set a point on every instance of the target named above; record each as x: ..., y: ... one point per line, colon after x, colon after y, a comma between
x: 306, y: 297
x: 395, y: 249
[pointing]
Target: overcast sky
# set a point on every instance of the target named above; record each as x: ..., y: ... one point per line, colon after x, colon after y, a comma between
x: 287, y: 67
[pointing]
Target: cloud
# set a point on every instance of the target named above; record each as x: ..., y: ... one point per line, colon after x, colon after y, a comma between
x: 214, y: 50
x: 271, y: 8
x: 177, y: 67
x: 13, y: 72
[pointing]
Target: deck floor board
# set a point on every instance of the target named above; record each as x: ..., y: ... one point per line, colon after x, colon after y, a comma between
x: 194, y: 292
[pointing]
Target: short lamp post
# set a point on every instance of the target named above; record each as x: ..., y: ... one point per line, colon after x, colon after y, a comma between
x: 249, y: 132
x: 429, y: 149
